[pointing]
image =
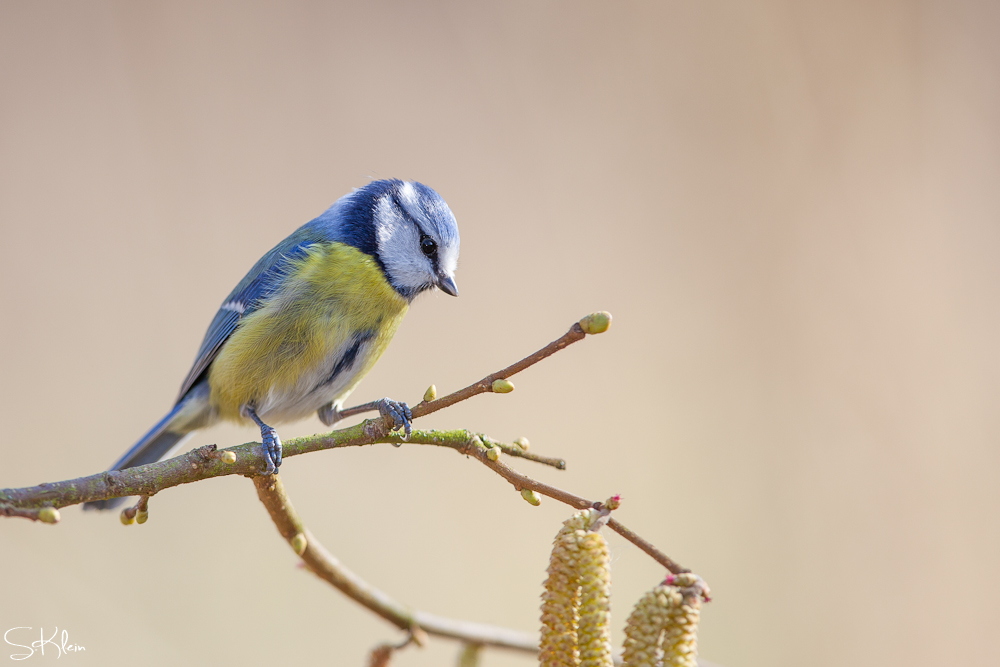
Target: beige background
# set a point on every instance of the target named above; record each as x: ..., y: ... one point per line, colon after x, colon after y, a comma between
x: 792, y: 211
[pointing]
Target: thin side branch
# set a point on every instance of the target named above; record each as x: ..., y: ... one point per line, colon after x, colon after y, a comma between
x: 521, y: 481
x: 272, y: 494
x: 32, y: 513
x: 485, y: 385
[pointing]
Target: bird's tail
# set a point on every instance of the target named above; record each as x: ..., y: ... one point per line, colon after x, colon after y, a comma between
x: 151, y: 448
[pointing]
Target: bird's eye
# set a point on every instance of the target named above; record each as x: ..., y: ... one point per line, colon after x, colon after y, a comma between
x: 428, y: 246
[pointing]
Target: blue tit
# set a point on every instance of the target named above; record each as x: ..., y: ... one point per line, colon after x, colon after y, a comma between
x: 311, y: 318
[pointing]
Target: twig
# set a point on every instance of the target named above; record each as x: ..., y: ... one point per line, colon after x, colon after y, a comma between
x: 33, y: 513
x: 521, y: 453
x: 485, y: 385
x: 521, y: 481
x: 272, y: 494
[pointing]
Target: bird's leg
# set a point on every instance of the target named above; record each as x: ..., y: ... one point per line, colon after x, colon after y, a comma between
x: 329, y: 414
x: 396, y: 415
x: 269, y: 439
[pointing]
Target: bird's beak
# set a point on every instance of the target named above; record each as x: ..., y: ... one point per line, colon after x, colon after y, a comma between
x: 447, y: 285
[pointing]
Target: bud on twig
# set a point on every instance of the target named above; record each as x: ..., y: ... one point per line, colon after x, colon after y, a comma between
x: 523, y: 443
x: 380, y: 656
x: 48, y: 515
x: 469, y: 657
x: 531, y: 497
x: 299, y: 543
x: 502, y: 386
x: 430, y: 394
x: 418, y: 636
x: 596, y: 323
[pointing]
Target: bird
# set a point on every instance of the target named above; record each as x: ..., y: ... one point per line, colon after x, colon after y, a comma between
x: 311, y: 318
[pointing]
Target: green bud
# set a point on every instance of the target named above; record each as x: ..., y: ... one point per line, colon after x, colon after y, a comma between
x: 127, y: 517
x: 523, y: 443
x: 299, y: 543
x: 48, y: 515
x: 469, y: 657
x: 228, y: 457
x: 503, y: 386
x: 531, y: 497
x: 430, y: 394
x: 493, y: 453
x: 419, y: 637
x: 141, y: 516
x: 596, y: 323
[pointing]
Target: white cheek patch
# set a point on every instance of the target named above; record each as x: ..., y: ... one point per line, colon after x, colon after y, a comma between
x: 399, y: 248
x: 448, y: 259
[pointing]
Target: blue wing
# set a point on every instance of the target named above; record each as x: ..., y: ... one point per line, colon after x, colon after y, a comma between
x: 256, y: 286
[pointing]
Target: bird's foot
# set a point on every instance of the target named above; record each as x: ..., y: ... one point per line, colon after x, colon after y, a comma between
x: 396, y: 415
x: 329, y: 414
x: 272, y: 449
x: 271, y: 443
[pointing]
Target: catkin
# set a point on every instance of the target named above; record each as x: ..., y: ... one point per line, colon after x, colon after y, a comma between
x: 663, y: 627
x: 575, y: 604
x: 594, y: 633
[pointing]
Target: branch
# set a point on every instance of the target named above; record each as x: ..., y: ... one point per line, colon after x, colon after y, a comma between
x: 208, y: 462
x: 521, y: 482
x: 324, y: 565
x: 594, y: 323
x: 40, y: 502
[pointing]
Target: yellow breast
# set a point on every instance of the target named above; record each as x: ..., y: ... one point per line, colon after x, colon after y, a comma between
x: 279, y: 356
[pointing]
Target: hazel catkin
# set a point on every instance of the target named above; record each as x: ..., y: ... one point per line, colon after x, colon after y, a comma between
x: 663, y: 627
x: 575, y: 605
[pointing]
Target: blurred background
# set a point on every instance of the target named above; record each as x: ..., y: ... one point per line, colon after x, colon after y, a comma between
x: 792, y: 210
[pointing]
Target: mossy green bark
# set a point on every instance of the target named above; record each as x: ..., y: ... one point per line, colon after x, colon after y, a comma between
x: 207, y: 462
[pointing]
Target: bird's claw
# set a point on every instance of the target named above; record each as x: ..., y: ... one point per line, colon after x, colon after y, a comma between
x: 272, y: 449
x: 396, y: 415
x: 269, y: 440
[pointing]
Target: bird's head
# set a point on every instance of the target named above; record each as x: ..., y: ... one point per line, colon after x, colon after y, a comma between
x: 409, y: 229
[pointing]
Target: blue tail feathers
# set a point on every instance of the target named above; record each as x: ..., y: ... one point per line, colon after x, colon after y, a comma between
x: 150, y: 448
